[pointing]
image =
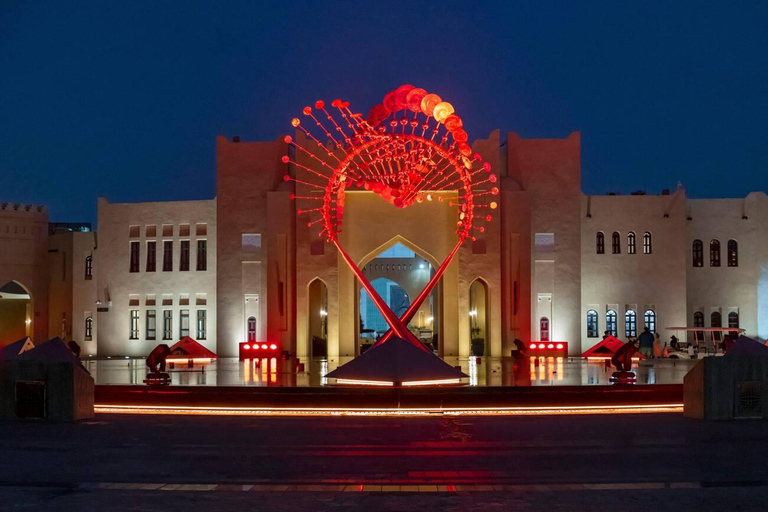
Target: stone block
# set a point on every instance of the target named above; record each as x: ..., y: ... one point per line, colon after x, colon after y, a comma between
x: 724, y: 388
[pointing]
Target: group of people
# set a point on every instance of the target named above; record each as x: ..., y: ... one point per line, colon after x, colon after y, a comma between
x: 648, y: 343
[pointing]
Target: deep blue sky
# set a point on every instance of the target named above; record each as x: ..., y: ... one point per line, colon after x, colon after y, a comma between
x: 124, y: 99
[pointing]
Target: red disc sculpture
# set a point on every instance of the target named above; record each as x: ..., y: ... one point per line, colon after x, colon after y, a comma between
x: 409, y: 146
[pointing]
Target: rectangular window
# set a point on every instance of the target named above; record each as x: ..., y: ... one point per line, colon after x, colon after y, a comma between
x: 151, y: 256
x: 167, y: 256
x: 201, y: 324
x: 251, y: 241
x: 167, y: 324
x: 135, y: 248
x: 545, y: 242
x: 151, y: 324
x: 202, y: 255
x: 184, y: 261
x: 134, y: 333
x: 184, y: 323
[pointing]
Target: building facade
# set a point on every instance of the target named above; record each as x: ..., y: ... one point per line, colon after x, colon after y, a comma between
x: 554, y: 265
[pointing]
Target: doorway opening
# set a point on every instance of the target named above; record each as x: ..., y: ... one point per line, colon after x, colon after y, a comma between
x: 15, y: 313
x: 478, y: 316
x: 318, y: 318
x: 398, y: 274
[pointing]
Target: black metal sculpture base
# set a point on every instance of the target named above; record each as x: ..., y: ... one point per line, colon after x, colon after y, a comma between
x: 623, y: 378
x: 157, y: 379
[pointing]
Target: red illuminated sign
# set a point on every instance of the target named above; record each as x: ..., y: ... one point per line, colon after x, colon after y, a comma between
x: 254, y: 349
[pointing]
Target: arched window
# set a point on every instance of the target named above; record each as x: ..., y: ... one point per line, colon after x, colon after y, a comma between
x: 592, y: 329
x: 630, y: 323
x: 616, y: 243
x: 733, y: 320
x: 610, y: 322
x: 733, y: 253
x: 600, y: 242
x: 251, y: 329
x: 544, y: 328
x: 697, y: 251
x: 88, y: 327
x: 650, y: 319
x: 714, y: 253
x: 88, y: 267
x: 631, y: 243
x: 698, y: 321
x: 716, y: 320
x: 647, y: 247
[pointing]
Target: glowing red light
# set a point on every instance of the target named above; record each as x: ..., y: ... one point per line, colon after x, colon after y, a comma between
x: 559, y: 346
x: 273, y: 346
x: 264, y: 346
x: 533, y: 345
x: 255, y: 346
x: 551, y: 345
x: 246, y: 347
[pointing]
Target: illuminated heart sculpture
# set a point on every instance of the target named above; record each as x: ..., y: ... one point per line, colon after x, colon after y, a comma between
x: 410, y: 146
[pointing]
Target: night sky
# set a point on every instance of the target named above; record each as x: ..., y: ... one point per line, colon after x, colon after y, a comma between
x: 124, y: 99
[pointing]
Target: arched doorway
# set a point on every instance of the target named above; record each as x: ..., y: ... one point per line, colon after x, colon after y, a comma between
x: 251, y: 329
x: 398, y: 274
x: 16, y: 313
x: 478, y: 317
x: 317, y: 298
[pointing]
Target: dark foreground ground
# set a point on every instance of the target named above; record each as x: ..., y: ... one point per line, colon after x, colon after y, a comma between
x: 203, y: 463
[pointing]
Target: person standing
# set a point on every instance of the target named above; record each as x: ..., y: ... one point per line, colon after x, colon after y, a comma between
x: 646, y: 340
x: 657, y: 346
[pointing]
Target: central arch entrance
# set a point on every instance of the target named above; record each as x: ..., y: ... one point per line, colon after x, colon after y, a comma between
x: 398, y: 273
x: 15, y: 313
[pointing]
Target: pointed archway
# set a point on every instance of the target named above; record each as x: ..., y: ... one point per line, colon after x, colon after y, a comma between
x: 399, y: 270
x: 16, y: 312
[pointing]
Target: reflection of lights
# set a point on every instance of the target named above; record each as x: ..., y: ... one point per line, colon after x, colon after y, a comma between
x: 521, y: 411
x: 323, y: 312
x: 28, y: 321
x: 323, y: 372
x: 195, y: 360
x: 246, y: 371
x: 559, y: 368
x: 365, y: 382
x: 472, y: 371
x: 431, y: 382
x: 273, y: 370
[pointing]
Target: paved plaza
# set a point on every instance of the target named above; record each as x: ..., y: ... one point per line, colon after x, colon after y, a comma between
x: 190, y: 463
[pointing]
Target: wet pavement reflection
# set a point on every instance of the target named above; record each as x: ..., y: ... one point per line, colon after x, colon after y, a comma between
x: 485, y: 371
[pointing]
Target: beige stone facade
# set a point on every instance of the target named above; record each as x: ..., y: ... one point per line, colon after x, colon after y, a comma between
x: 539, y: 270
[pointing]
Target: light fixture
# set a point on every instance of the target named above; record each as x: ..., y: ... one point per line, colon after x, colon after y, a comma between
x: 323, y: 312
x: 429, y: 320
x: 28, y: 321
x: 473, y: 312
x: 421, y: 265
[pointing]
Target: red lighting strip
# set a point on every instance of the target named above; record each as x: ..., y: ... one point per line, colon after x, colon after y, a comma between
x: 480, y: 411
